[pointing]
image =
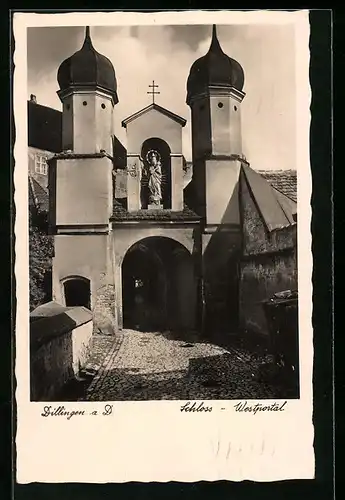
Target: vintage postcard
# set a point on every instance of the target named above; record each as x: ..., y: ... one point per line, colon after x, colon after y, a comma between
x: 163, y: 248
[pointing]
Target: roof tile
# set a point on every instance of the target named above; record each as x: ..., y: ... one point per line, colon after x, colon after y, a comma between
x: 120, y: 213
x: 38, y: 196
x: 284, y: 181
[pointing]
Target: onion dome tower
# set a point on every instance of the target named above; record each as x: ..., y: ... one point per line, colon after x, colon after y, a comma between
x: 214, y: 69
x: 88, y: 92
x: 214, y: 94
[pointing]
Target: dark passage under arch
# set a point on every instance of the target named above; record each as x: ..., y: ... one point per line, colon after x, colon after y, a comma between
x: 159, y: 288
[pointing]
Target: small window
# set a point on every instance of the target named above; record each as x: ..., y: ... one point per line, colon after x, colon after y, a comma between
x: 103, y: 105
x: 77, y: 292
x: 84, y: 103
x: 220, y: 105
x: 235, y: 108
x: 41, y: 166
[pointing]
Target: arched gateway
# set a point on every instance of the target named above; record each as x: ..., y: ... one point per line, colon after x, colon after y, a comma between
x: 159, y: 286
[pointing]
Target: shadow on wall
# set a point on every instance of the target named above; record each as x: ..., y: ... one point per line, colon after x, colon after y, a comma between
x: 59, y: 346
x: 119, y: 154
x: 221, y: 259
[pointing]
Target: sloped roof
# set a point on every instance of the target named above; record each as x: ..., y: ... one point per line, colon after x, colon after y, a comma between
x: 158, y: 108
x: 45, y: 328
x: 48, y: 309
x: 120, y: 213
x: 38, y: 196
x: 276, y: 209
x: 44, y: 127
x: 284, y: 181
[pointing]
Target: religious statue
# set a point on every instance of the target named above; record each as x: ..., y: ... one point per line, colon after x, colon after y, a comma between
x: 155, y: 177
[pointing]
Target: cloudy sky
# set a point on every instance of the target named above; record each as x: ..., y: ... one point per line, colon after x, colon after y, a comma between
x: 165, y: 53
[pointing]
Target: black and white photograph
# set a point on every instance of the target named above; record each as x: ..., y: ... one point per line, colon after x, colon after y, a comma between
x: 163, y: 263
x: 162, y: 206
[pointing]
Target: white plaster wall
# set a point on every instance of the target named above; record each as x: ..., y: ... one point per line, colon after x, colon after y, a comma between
x: 92, y: 125
x: 79, y: 255
x: 222, y: 203
x: 81, y: 339
x: 125, y: 238
x: 153, y: 124
x: 226, y: 125
x: 83, y: 191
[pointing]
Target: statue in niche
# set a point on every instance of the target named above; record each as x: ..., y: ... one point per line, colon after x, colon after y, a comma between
x: 155, y: 177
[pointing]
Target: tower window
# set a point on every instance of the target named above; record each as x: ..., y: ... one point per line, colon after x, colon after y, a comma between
x: 41, y: 166
x: 220, y: 105
x: 84, y: 103
x: 67, y: 106
x: 103, y: 105
x: 235, y: 108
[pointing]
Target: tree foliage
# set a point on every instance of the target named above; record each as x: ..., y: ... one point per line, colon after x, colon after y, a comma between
x: 40, y: 259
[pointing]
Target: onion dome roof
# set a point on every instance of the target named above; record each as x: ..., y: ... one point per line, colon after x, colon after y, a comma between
x: 88, y: 68
x: 214, y: 69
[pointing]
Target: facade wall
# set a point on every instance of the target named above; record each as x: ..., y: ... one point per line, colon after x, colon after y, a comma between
x: 87, y: 203
x: 256, y: 238
x: 268, y: 266
x: 87, y: 128
x: 153, y: 124
x: 222, y: 202
x: 261, y: 277
x: 68, y: 123
x: 124, y: 238
x: 88, y: 256
x: 220, y: 260
x: 226, y: 125
x: 201, y: 129
x: 42, y: 179
x: 79, y: 255
x: 177, y: 183
x: 216, y: 126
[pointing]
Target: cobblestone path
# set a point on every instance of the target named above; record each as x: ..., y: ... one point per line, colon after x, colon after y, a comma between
x: 157, y: 366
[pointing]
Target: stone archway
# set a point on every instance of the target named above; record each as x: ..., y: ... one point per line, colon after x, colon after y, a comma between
x: 159, y: 286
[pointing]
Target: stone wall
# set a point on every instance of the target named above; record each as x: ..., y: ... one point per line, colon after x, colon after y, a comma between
x: 104, y: 310
x: 261, y: 277
x: 268, y: 264
x: 59, y: 347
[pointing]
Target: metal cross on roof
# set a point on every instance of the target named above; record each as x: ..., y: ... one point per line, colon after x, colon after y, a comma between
x: 153, y: 91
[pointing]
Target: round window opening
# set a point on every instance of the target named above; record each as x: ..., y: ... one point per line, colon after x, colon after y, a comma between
x: 84, y: 103
x: 235, y: 108
x: 220, y: 105
x: 103, y: 105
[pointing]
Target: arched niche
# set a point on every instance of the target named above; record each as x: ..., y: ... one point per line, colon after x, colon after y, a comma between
x: 77, y: 291
x: 163, y: 149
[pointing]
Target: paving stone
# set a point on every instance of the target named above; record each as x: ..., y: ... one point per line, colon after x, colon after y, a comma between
x: 156, y: 366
